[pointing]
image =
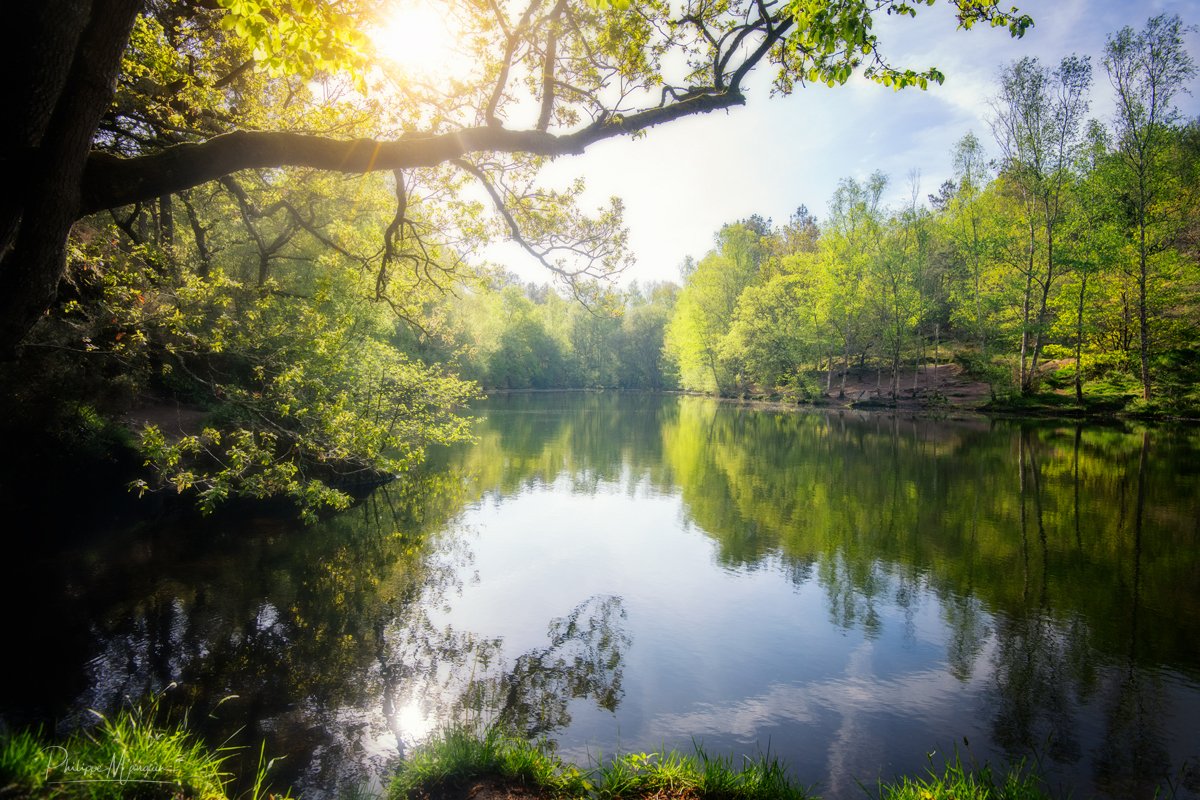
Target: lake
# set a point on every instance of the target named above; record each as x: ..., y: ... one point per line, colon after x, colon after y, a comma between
x: 861, y: 595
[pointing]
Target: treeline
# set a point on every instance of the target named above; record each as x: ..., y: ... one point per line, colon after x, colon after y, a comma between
x: 1077, y: 243
x: 253, y: 337
x: 507, y: 335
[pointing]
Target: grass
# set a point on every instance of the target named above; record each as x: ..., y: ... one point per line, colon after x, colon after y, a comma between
x: 458, y: 756
x: 958, y: 783
x: 453, y: 761
x: 128, y: 755
x: 700, y: 775
x: 132, y: 756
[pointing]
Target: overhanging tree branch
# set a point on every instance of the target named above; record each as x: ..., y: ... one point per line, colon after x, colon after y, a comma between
x: 111, y: 181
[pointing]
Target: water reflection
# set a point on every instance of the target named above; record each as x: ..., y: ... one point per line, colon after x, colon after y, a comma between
x: 1029, y: 537
x: 583, y: 659
x: 630, y: 571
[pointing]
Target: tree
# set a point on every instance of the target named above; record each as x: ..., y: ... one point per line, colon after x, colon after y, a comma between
x: 801, y: 233
x: 1037, y: 125
x: 1148, y: 70
x: 850, y: 247
x: 642, y: 364
x: 588, y: 73
x: 706, y: 305
x: 898, y: 277
x: 964, y: 215
x: 1091, y: 238
x: 774, y: 330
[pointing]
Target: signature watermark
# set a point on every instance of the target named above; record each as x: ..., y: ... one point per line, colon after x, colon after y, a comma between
x: 61, y: 768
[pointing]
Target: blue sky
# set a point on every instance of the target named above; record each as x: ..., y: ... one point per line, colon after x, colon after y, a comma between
x: 683, y: 181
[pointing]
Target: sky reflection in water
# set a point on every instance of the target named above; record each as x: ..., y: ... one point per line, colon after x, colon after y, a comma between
x: 622, y: 573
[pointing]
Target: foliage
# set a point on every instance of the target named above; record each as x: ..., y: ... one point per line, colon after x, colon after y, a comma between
x: 509, y: 336
x: 317, y: 353
x: 1149, y: 69
x: 707, y: 303
x: 832, y: 40
x: 302, y: 38
x: 774, y: 331
x: 299, y: 412
x: 303, y: 383
x: 1067, y: 251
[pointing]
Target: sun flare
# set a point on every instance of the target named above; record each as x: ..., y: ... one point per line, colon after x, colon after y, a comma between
x: 418, y: 39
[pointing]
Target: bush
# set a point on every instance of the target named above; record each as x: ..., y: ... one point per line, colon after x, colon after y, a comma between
x: 997, y: 375
x: 800, y: 388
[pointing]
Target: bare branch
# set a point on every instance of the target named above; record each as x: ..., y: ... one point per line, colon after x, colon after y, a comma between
x: 199, y: 234
x: 550, y: 57
x: 514, y: 230
x: 510, y: 48
x: 393, y: 236
x: 233, y: 75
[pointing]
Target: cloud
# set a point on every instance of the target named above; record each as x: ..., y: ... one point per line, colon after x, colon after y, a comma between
x: 683, y: 181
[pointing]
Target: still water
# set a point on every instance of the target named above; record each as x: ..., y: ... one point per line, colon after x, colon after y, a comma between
x: 862, y: 596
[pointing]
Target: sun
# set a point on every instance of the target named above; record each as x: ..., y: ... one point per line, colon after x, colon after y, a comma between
x: 417, y: 38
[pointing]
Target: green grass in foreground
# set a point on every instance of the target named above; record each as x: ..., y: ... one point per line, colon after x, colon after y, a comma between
x: 128, y: 755
x: 458, y: 757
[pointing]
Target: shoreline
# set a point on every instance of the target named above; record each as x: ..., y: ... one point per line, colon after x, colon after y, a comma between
x: 909, y: 407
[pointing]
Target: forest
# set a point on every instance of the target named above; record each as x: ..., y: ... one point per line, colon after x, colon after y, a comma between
x: 306, y: 471
x: 221, y: 279
x: 1070, y: 261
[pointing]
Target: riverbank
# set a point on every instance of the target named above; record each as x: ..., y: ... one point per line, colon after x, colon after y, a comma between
x: 128, y: 755
x: 949, y: 391
x: 461, y: 765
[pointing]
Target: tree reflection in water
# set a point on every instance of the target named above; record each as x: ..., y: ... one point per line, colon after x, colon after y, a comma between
x: 321, y: 639
x: 1039, y: 566
x: 1056, y: 563
x: 582, y: 660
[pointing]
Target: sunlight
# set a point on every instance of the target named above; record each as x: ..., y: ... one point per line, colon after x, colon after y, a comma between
x: 418, y: 39
x: 414, y: 723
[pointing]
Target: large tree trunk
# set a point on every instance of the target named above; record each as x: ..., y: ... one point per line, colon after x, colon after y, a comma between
x: 70, y: 53
x: 39, y: 39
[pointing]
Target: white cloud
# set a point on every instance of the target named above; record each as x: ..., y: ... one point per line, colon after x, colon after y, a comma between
x: 683, y: 181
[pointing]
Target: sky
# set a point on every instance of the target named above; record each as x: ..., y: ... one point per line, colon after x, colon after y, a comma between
x: 684, y: 180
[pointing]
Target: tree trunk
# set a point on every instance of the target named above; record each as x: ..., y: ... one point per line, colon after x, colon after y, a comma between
x: 1023, y: 377
x: 1079, y: 340
x: 1143, y: 317
x: 845, y: 367
x: 77, y: 52
x: 896, y: 371
x: 1044, y: 300
x: 979, y: 322
x: 166, y: 223
x: 937, y: 345
x: 917, y: 361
